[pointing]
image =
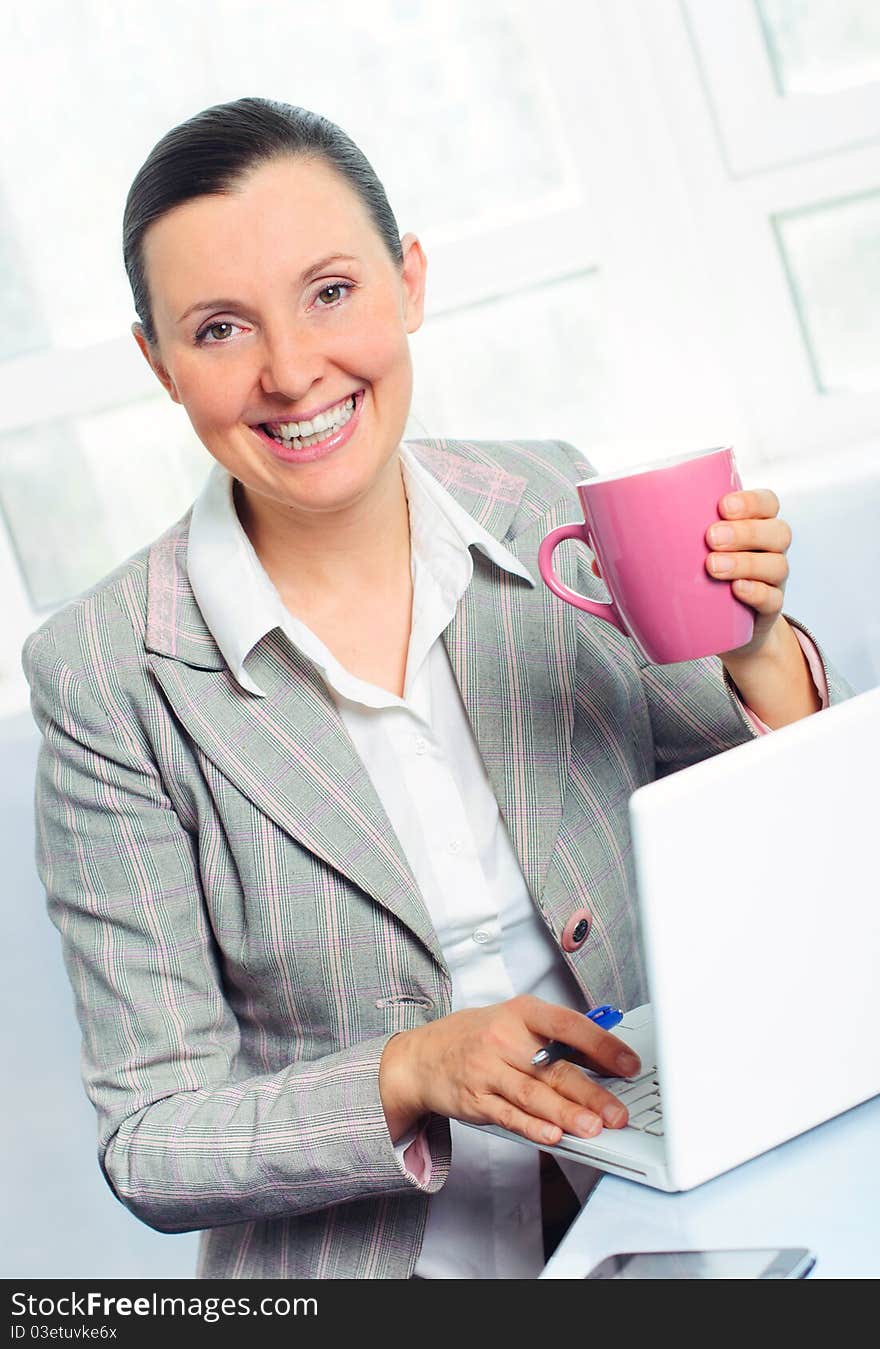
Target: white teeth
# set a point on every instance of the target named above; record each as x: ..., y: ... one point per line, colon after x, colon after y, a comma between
x: 299, y: 435
x: 332, y: 418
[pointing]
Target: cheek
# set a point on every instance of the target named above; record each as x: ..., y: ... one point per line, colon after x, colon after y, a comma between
x: 212, y: 401
x: 378, y: 348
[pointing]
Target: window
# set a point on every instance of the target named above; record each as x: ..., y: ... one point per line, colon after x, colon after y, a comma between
x: 651, y: 227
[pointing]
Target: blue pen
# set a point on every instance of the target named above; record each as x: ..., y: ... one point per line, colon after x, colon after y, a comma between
x: 605, y: 1016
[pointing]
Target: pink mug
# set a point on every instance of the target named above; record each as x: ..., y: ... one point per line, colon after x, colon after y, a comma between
x: 647, y: 527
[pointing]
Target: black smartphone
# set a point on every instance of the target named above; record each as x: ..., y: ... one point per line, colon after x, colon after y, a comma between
x: 791, y: 1263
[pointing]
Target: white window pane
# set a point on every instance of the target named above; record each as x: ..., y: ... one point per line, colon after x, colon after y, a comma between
x: 79, y: 497
x: 532, y: 364
x: 23, y: 327
x: 818, y: 46
x: 832, y: 254
x: 434, y: 94
x: 58, y: 535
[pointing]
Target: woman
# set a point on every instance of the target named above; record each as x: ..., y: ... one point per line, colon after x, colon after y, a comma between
x: 332, y: 797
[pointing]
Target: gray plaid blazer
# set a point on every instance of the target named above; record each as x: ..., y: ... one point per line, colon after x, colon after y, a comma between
x: 240, y: 927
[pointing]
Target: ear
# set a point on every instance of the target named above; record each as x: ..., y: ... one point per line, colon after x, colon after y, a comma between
x: 415, y: 266
x: 151, y: 356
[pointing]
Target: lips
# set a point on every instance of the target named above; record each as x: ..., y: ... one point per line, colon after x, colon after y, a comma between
x: 288, y: 453
x: 275, y: 425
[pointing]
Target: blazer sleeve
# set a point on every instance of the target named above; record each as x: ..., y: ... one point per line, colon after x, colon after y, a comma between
x: 693, y: 706
x: 182, y: 1143
x: 695, y: 710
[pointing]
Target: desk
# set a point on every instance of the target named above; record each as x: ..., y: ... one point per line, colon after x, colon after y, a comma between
x: 820, y: 1190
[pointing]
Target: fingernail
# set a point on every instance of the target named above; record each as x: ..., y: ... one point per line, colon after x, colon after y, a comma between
x: 588, y: 1125
x: 721, y: 534
x: 628, y: 1064
x: 720, y: 563
x: 732, y: 505
x: 613, y: 1114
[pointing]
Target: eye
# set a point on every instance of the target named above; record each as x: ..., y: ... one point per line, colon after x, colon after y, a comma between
x: 338, y: 286
x: 201, y: 337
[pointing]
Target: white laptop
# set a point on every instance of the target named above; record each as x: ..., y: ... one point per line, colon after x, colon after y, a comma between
x: 759, y: 894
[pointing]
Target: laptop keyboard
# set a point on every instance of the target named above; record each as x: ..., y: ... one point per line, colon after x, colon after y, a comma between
x: 641, y: 1096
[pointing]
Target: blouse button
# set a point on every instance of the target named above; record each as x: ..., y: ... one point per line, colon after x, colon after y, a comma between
x: 576, y: 930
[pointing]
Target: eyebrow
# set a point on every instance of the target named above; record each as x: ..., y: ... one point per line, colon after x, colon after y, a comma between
x: 307, y: 275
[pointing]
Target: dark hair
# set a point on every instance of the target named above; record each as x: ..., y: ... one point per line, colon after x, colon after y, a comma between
x: 212, y: 151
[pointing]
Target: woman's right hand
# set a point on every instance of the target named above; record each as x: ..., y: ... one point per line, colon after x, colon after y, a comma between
x: 475, y: 1065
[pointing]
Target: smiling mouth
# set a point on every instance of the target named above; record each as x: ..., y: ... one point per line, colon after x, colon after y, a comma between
x: 300, y: 435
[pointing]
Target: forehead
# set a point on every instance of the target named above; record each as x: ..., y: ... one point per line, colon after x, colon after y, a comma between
x: 286, y: 213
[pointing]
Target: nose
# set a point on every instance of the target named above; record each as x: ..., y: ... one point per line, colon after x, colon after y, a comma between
x: 292, y: 361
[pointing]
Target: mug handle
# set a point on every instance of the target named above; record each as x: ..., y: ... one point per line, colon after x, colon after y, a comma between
x: 545, y: 566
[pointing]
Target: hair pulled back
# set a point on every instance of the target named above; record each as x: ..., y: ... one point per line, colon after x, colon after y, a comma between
x: 211, y: 152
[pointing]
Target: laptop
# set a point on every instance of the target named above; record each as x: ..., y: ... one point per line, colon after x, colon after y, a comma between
x: 759, y: 898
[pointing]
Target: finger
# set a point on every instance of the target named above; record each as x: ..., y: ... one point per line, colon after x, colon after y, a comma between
x: 766, y: 536
x: 766, y: 599
x: 567, y: 1079
x: 603, y: 1049
x: 760, y: 503
x: 535, y: 1096
x: 508, y: 1116
x: 772, y: 568
x: 564, y: 1094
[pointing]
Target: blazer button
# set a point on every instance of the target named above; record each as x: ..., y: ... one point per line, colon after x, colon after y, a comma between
x: 576, y: 930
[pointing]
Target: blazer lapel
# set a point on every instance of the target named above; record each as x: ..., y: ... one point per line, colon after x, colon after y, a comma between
x: 513, y: 649
x: 289, y: 752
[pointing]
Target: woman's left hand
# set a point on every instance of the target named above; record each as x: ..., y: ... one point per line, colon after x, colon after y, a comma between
x: 752, y: 557
x: 749, y: 545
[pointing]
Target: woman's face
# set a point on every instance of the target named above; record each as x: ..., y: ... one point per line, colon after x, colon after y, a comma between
x: 256, y: 324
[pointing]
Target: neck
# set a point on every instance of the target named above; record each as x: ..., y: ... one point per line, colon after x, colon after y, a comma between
x: 360, y: 547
